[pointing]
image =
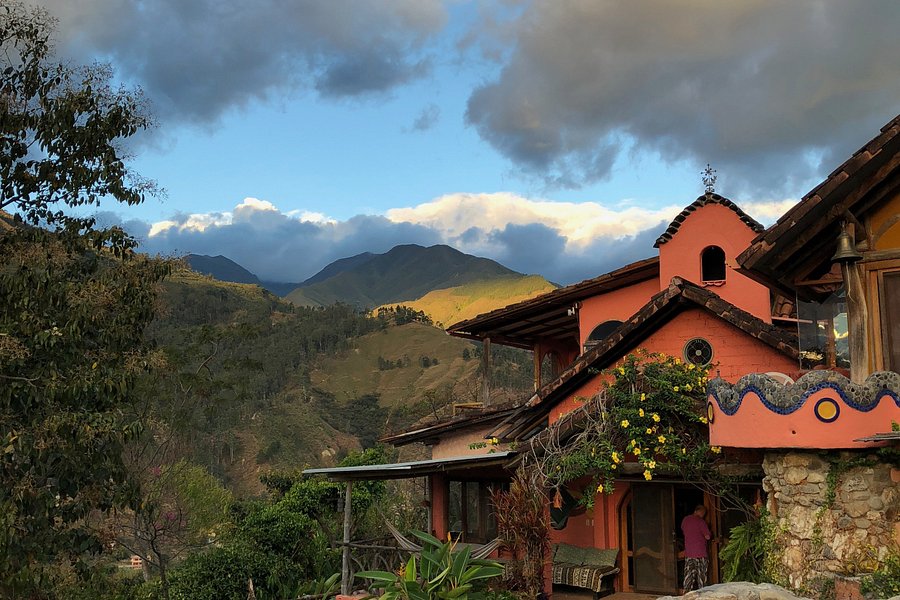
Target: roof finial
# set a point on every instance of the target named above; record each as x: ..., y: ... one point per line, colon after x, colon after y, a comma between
x: 709, y: 179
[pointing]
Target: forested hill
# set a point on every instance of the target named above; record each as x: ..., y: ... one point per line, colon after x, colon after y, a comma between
x: 252, y: 382
x: 404, y: 273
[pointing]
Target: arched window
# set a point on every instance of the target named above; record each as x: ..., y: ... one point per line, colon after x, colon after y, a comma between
x: 712, y: 264
x: 600, y: 333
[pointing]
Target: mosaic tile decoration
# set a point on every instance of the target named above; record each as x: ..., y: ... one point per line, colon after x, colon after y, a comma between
x: 785, y: 399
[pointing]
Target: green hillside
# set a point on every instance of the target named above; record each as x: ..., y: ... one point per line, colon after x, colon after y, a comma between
x: 404, y: 273
x: 448, y: 306
x: 250, y: 382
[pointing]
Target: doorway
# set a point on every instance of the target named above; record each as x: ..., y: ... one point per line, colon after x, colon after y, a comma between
x: 651, y: 526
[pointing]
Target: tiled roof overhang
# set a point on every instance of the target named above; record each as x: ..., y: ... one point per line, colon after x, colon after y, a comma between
x: 679, y: 296
x: 549, y: 315
x: 803, y: 240
x: 707, y: 198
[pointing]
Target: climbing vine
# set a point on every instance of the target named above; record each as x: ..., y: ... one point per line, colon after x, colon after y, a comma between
x: 649, y: 414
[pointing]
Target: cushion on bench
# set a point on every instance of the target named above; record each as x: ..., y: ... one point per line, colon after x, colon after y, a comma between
x: 587, y: 568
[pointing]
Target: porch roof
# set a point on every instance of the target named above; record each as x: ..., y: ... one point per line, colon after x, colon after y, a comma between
x: 406, y: 470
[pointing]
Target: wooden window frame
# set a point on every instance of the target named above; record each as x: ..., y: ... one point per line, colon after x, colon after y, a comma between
x: 878, y: 337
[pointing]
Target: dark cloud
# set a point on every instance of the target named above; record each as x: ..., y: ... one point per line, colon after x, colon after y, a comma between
x: 197, y: 58
x: 427, y: 119
x: 276, y: 247
x: 769, y: 92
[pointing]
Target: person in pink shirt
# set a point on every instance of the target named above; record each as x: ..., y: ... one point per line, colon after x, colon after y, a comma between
x: 696, y: 558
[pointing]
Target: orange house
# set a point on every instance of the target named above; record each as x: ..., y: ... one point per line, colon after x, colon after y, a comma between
x: 689, y: 301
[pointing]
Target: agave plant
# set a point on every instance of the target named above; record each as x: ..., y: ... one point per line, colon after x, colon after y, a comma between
x: 438, y: 572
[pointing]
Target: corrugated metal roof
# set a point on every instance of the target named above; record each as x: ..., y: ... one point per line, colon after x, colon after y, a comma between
x: 417, y: 468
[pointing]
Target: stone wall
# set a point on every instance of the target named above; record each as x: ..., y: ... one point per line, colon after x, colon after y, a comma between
x: 818, y: 538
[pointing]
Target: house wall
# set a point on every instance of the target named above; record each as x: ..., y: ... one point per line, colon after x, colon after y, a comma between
x: 884, y: 225
x: 457, y: 444
x: 816, y: 538
x: 616, y: 305
x: 735, y: 353
x: 714, y: 225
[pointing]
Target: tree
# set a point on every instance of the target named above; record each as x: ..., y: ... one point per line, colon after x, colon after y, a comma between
x: 61, y: 127
x: 74, y: 302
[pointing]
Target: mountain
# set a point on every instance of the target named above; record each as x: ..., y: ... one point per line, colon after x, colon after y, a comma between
x: 224, y: 269
x: 405, y: 272
x: 451, y: 305
x: 221, y: 268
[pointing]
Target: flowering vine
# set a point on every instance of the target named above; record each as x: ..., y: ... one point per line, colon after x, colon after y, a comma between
x: 648, y: 418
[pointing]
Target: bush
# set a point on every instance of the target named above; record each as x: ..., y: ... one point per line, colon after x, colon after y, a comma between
x: 884, y: 582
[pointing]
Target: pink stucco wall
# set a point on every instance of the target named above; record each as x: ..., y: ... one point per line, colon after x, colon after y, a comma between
x: 619, y: 305
x: 735, y: 353
x: 756, y: 426
x: 714, y: 225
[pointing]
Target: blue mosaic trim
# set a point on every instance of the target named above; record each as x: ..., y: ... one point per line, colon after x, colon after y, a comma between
x: 786, y: 399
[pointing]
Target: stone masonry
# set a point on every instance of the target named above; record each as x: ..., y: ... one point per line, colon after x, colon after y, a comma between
x: 814, y: 539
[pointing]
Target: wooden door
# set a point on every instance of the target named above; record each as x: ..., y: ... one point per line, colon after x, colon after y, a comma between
x: 653, y: 531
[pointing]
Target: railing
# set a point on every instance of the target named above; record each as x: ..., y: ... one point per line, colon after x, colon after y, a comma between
x: 377, y: 554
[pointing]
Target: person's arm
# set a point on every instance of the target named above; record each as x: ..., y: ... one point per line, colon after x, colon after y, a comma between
x: 706, y: 532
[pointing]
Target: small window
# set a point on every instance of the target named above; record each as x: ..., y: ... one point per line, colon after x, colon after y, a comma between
x: 698, y: 351
x: 600, y: 333
x: 712, y: 264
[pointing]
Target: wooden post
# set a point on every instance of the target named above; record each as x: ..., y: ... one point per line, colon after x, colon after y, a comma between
x: 429, y: 501
x: 536, y: 354
x: 345, y: 560
x: 857, y: 322
x: 486, y: 371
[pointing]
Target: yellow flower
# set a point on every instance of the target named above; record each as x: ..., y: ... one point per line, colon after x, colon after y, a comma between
x: 675, y: 388
x: 651, y: 464
x: 625, y: 423
x: 495, y: 441
x: 715, y: 449
x: 615, y: 457
x: 649, y: 431
x: 677, y: 361
x: 600, y: 488
x: 621, y: 371
x: 593, y: 451
x: 641, y: 412
x: 688, y: 387
x: 648, y: 475
x: 643, y: 397
x: 691, y: 367
x: 684, y: 450
x: 704, y: 420
x: 655, y: 418
x: 662, y: 439
x: 613, y: 466
x: 636, y: 451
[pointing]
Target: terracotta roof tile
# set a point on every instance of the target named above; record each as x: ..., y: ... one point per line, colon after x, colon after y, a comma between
x: 708, y: 198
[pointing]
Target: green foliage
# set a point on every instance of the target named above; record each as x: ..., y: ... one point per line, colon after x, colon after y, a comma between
x: 61, y: 125
x: 650, y: 412
x: 747, y: 554
x: 438, y: 573
x: 73, y: 309
x: 885, y: 581
x: 223, y: 573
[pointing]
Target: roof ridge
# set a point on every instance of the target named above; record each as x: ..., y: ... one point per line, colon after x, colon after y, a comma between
x: 701, y: 201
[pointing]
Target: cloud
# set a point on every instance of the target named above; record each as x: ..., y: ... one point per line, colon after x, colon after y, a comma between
x: 427, y: 119
x: 564, y: 242
x: 196, y: 59
x: 769, y: 92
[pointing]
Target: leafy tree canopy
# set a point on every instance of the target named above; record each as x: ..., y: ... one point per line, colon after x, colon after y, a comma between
x: 61, y: 127
x: 74, y: 302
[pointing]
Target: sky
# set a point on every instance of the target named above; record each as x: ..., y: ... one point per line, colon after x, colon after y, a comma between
x: 555, y: 136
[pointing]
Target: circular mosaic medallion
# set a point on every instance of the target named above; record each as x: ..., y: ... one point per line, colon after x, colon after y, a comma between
x: 698, y: 351
x: 710, y: 412
x: 827, y: 410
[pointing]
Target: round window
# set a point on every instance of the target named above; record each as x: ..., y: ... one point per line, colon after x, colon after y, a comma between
x: 698, y: 351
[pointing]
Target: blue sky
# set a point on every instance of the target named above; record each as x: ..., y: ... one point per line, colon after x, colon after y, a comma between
x: 555, y: 136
